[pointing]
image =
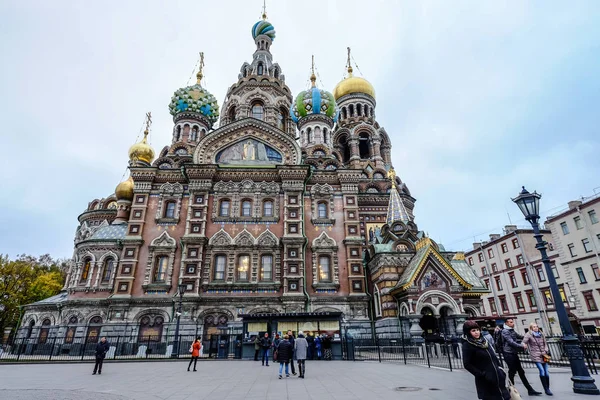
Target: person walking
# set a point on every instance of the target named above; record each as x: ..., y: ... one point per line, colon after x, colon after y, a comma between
x: 480, y: 360
x: 301, y: 347
x: 256, y: 347
x: 311, y: 346
x: 276, y: 342
x: 284, y: 354
x: 538, y: 350
x: 488, y: 336
x: 195, y: 353
x: 291, y: 339
x: 265, y: 343
x: 318, y: 346
x: 101, y: 350
x: 327, y: 347
x: 511, y: 350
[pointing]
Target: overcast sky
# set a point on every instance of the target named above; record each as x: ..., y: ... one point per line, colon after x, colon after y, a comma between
x: 478, y: 98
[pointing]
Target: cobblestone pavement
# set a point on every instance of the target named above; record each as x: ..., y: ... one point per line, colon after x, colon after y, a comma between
x: 247, y: 380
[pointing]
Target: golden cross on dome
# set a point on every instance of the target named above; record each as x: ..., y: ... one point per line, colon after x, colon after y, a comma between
x: 199, y: 74
x: 148, y: 122
x: 348, y: 64
x: 264, y: 14
x: 392, y: 176
x: 313, y: 77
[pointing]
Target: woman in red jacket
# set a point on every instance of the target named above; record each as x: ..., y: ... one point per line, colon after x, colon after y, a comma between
x: 195, y: 353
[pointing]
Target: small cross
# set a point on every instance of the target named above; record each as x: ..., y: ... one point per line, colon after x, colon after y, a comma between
x: 256, y: 229
x: 234, y: 229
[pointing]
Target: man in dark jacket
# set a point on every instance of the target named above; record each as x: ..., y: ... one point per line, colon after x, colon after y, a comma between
x: 310, y: 339
x: 511, y: 350
x: 284, y: 354
x: 265, y: 343
x: 291, y: 340
x: 101, y: 349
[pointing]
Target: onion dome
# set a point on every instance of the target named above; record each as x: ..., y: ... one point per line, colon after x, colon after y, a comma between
x: 195, y: 99
x: 353, y: 84
x: 314, y: 101
x: 124, y: 190
x: 141, y: 151
x: 263, y: 27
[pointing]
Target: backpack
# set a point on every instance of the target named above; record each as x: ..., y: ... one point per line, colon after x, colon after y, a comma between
x: 499, y: 341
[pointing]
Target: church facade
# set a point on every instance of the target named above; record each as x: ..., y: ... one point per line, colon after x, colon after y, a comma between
x: 290, y: 206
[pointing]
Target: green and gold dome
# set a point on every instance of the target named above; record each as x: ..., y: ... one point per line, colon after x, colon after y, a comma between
x: 314, y: 101
x: 195, y: 99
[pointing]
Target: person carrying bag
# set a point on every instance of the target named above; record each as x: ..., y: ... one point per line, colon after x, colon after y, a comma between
x: 538, y: 350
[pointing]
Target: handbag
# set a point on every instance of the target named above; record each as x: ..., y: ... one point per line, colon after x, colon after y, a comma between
x: 546, y: 358
x: 275, y: 355
x: 191, y: 348
x: 512, y: 390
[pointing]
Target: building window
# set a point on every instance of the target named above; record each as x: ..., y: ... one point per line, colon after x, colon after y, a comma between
x: 356, y: 268
x: 519, y: 301
x: 540, y: 274
x: 487, y: 283
x: 224, y: 208
x: 268, y: 208
x: 590, y: 302
x: 572, y: 250
x: 322, y: 210
x: 480, y: 255
x: 85, y: 273
x: 293, y: 252
x: 191, y: 268
x: 197, y: 213
x: 565, y: 228
x: 581, y: 275
x: 586, y: 245
x: 220, y: 261
x: 259, y: 69
x: 160, y: 270
x: 504, y: 248
x: 357, y: 286
x: 246, y: 208
x: 554, y: 271
x: 513, y: 280
x: 503, y: 303
x: 293, y: 228
x: 578, y: 224
x: 189, y: 286
x: 324, y: 269
x: 520, y: 260
x: 498, y: 283
x: 232, y: 114
x: 531, y: 299
x: 199, y: 199
x: 515, y: 243
x: 547, y: 297
x: 242, y: 267
x: 492, y: 306
x: 593, y: 217
x: 483, y: 271
x: 525, y: 277
x: 508, y: 263
x: 258, y: 111
x: 596, y: 271
x: 471, y: 261
x: 170, y: 209
x: 494, y: 267
x: 266, y: 268
x: 491, y: 253
x: 563, y: 297
x: 281, y: 119
x: 109, y: 265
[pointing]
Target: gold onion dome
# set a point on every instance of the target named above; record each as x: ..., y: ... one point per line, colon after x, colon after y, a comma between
x: 124, y: 190
x: 142, y: 151
x: 353, y: 84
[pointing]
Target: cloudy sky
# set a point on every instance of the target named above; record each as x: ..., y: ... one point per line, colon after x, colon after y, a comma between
x: 478, y: 98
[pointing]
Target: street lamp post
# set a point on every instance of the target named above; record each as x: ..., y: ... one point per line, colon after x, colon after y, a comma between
x: 181, y: 288
x: 582, y: 381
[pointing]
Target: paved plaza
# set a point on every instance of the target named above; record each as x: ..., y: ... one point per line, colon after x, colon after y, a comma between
x: 246, y: 380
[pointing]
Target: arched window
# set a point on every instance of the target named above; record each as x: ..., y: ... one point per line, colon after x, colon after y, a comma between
x: 359, y: 109
x: 160, y: 270
x: 70, y: 334
x: 377, y: 301
x: 281, y: 119
x: 344, y: 113
x: 178, y: 134
x: 44, y: 331
x: 243, y: 267
x: 324, y: 269
x: 363, y: 146
x: 85, y: 272
x: 246, y: 208
x: 258, y: 111
x: 266, y: 268
x: 259, y: 69
x: 170, y: 209
x: 94, y: 329
x: 194, y: 133
x: 325, y: 136
x: 30, y: 328
x: 310, y: 135
x: 268, y: 208
x: 232, y: 114
x: 245, y: 72
x: 224, y: 208
x: 276, y: 73
x: 366, y: 110
x: 351, y: 110
x: 322, y: 210
x: 219, y: 272
x: 107, y: 271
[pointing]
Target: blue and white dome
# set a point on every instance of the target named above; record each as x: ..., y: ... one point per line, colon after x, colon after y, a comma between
x: 263, y: 27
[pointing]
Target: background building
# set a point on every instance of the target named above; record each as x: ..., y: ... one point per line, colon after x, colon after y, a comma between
x: 576, y: 238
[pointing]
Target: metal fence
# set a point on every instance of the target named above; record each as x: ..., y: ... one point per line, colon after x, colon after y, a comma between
x: 131, y: 345
x: 448, y: 353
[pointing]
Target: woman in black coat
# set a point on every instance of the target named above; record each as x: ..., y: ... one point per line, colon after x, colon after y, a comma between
x: 480, y: 360
x: 284, y: 353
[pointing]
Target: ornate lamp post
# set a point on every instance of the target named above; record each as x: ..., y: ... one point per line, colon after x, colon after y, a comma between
x: 181, y: 288
x: 582, y: 381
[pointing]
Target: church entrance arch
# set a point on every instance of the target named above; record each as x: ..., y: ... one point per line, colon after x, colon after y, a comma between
x: 428, y: 321
x: 215, y: 336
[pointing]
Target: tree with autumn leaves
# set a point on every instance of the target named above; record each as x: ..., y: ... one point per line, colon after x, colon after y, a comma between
x: 25, y: 280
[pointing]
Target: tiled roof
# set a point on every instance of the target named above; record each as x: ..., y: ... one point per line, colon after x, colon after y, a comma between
x: 110, y: 232
x: 59, y: 298
x: 467, y: 273
x: 396, y: 209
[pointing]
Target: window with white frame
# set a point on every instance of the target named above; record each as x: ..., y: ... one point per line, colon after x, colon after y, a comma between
x: 565, y: 228
x: 219, y: 269
x: 593, y: 217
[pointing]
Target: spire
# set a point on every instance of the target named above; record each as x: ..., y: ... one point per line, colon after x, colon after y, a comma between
x: 264, y: 13
x: 199, y: 74
x: 396, y: 209
x: 348, y: 64
x: 148, y: 123
x: 313, y: 77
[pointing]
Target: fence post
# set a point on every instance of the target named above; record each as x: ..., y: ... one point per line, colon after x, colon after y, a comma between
x: 116, y: 348
x: 448, y: 349
x: 402, y: 336
x: 52, y: 350
x: 427, y: 354
x: 147, y: 346
x: 378, y: 348
x: 84, y: 346
x: 179, y: 346
x: 19, y: 349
